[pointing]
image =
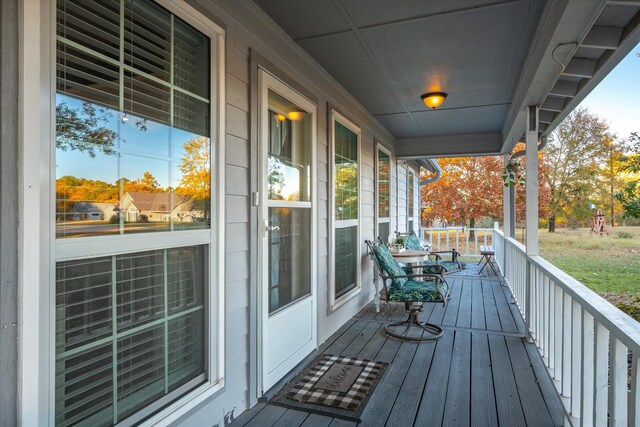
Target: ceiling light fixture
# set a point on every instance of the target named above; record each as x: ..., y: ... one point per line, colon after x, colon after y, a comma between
x: 433, y: 99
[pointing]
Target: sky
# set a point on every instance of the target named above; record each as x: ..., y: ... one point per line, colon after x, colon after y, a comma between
x: 617, y: 97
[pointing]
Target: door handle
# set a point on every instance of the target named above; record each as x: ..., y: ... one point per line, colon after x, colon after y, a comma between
x: 270, y: 227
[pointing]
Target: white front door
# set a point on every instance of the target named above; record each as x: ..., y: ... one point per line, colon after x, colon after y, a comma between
x: 286, y: 229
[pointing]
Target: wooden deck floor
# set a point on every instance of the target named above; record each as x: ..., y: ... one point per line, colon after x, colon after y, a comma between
x: 481, y: 372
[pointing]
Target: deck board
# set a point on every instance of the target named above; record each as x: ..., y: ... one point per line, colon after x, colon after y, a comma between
x: 481, y: 372
x: 291, y: 418
x: 380, y: 405
x: 483, y: 409
x: 457, y: 405
x: 492, y: 319
x: 406, y: 406
x: 477, y: 306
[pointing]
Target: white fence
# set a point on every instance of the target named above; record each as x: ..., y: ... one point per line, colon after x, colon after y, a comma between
x: 467, y: 241
x: 590, y: 348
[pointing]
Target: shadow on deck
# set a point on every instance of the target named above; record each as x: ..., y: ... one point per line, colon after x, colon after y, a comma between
x: 481, y: 372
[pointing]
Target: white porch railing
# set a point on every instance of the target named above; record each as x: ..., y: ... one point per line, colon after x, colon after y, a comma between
x: 458, y: 238
x: 590, y: 348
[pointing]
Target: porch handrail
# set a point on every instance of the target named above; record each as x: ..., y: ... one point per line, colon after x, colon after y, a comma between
x: 584, y: 340
x: 455, y: 242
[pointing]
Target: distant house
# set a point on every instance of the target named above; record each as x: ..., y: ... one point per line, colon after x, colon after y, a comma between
x: 159, y: 207
x: 94, y: 211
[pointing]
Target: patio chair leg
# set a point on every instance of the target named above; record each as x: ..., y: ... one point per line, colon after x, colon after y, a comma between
x: 432, y: 331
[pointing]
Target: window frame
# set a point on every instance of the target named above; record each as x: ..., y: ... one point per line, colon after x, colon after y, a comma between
x: 41, y: 249
x: 411, y: 209
x: 380, y: 147
x: 335, y: 303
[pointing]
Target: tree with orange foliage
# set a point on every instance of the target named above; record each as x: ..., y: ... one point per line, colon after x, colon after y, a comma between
x: 471, y: 188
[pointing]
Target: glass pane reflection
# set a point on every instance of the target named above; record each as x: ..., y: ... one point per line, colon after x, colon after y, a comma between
x: 289, y: 258
x: 384, y: 164
x: 120, y: 173
x: 289, y: 159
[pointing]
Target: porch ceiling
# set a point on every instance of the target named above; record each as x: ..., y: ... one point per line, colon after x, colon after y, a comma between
x: 493, y: 58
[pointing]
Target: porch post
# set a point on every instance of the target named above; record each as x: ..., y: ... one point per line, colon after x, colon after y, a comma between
x: 508, y: 207
x: 532, y: 181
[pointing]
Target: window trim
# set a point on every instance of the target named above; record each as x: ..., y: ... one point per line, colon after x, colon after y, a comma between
x: 37, y: 252
x: 380, y: 147
x: 411, y: 185
x: 335, y: 303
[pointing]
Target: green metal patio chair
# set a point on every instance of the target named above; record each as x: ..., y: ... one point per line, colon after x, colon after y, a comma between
x: 411, y: 289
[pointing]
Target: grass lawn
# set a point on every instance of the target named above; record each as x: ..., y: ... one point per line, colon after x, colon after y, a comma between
x: 610, y: 265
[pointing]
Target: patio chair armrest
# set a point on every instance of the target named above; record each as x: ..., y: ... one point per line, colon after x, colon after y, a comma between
x: 454, y: 254
x: 430, y: 266
x: 410, y: 276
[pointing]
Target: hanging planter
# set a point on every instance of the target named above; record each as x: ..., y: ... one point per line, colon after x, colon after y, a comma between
x: 511, y: 174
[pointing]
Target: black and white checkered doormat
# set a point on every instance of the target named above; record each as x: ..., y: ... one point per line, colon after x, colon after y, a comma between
x: 333, y: 385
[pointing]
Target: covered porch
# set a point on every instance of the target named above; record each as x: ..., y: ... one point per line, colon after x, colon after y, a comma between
x: 330, y: 93
x: 481, y: 372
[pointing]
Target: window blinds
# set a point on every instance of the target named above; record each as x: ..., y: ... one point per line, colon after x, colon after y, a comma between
x: 129, y: 330
x: 135, y: 57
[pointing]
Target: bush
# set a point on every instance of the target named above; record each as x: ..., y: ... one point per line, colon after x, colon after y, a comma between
x: 632, y: 309
x: 624, y: 235
x: 144, y: 218
x: 115, y: 219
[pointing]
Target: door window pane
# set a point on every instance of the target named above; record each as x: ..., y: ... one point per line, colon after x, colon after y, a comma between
x: 289, y: 258
x: 289, y: 158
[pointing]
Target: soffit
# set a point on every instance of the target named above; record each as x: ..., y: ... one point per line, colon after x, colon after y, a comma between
x: 493, y: 58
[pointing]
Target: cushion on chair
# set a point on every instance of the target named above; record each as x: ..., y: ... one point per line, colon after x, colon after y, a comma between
x: 412, y: 243
x: 389, y: 265
x: 449, y: 266
x: 419, y: 291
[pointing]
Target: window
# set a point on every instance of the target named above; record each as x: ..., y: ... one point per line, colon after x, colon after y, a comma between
x: 345, y: 137
x: 383, y: 176
x: 133, y: 131
x: 410, y: 200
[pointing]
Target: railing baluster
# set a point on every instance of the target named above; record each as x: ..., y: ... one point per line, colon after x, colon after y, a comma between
x: 576, y: 358
x: 552, y: 327
x: 566, y: 344
x: 587, y: 369
x: 618, y: 373
x: 601, y: 374
x: 546, y: 297
x: 557, y: 334
x: 634, y: 396
x: 475, y: 243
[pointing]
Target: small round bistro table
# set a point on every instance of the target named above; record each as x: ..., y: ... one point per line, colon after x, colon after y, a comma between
x: 410, y: 256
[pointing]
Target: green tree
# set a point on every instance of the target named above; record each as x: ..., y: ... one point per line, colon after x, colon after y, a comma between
x: 630, y: 194
x: 84, y: 129
x: 574, y: 153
